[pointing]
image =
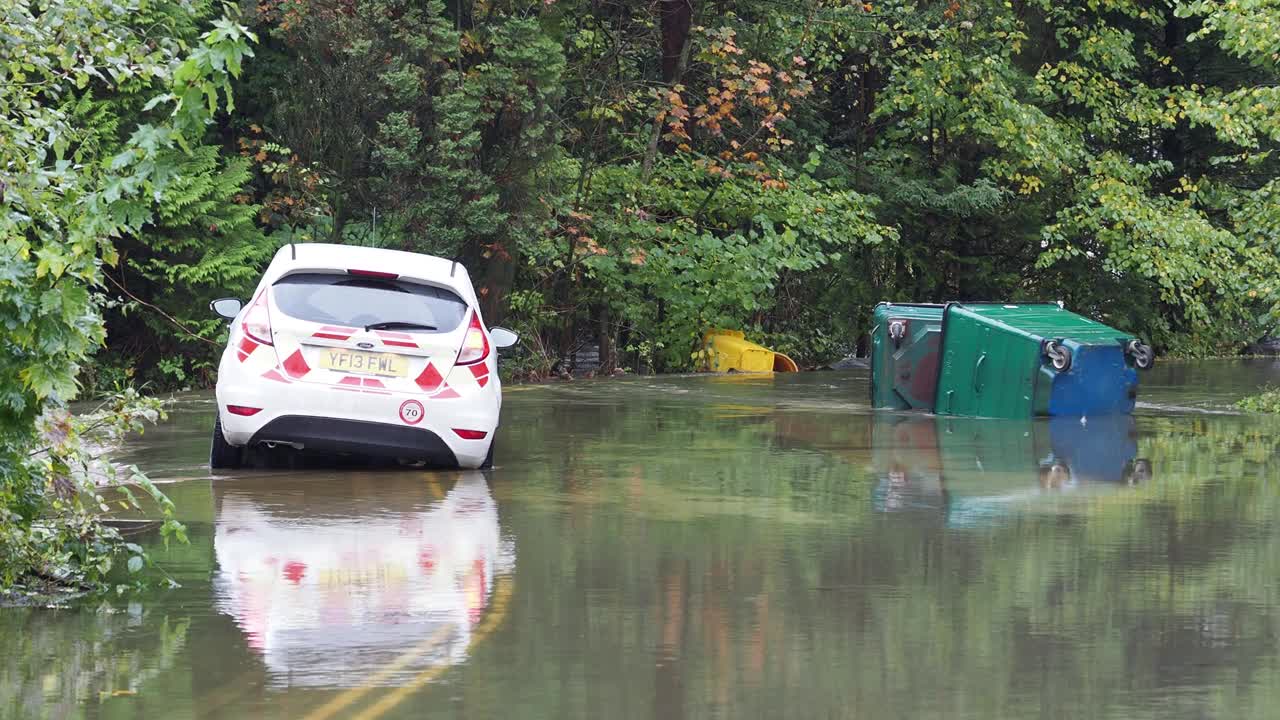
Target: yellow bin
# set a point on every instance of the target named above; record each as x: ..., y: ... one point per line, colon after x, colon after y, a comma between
x: 730, y: 351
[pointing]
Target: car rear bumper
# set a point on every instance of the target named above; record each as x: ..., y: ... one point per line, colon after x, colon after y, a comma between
x: 357, y: 436
x: 331, y: 418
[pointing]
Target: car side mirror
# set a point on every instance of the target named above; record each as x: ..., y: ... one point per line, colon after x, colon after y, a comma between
x: 502, y: 337
x: 226, y: 307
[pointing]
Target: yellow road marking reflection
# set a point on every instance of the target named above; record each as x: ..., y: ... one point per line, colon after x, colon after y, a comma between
x: 497, y: 612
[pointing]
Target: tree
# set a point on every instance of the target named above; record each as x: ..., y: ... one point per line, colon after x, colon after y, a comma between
x: 451, y: 137
x: 68, y: 194
x: 634, y: 173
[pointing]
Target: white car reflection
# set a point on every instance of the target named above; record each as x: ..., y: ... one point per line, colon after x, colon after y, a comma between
x: 332, y: 579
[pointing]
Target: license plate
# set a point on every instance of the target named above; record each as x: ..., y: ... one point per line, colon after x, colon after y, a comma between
x: 365, y: 363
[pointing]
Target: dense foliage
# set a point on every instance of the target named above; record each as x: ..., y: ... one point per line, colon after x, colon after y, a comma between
x: 101, y: 109
x: 1267, y: 401
x: 634, y: 173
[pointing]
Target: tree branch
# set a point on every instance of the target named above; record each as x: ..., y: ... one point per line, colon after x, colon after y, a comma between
x: 162, y: 313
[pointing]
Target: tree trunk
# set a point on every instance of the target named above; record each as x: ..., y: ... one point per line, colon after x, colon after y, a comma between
x: 608, y: 353
x: 675, y: 18
x: 496, y: 280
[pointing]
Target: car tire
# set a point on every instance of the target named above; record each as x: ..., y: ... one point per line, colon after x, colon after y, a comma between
x: 487, y: 463
x: 222, y: 454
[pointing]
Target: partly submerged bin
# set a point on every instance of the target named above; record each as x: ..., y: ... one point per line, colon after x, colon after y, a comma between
x: 1019, y: 360
x: 730, y: 351
x: 1002, y: 360
x: 905, y: 345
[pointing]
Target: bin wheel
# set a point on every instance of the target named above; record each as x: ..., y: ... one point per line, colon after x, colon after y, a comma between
x: 1137, y: 472
x: 1059, y: 357
x: 897, y: 331
x: 1143, y: 356
x: 1053, y: 477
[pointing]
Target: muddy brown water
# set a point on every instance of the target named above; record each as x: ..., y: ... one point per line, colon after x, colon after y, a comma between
x: 709, y: 547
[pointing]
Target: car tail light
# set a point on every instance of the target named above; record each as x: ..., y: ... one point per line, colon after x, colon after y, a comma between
x: 475, y: 346
x: 243, y: 410
x: 373, y: 274
x: 257, y: 321
x: 470, y: 434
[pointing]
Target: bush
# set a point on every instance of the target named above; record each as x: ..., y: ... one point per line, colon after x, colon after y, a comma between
x: 1268, y: 401
x: 70, y: 190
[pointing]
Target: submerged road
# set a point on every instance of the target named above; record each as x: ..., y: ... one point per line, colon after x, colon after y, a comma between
x: 698, y: 547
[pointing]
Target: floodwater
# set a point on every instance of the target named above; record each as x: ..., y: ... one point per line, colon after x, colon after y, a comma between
x: 700, y: 547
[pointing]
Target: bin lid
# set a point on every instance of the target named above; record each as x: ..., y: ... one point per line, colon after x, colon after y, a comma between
x: 1046, y: 320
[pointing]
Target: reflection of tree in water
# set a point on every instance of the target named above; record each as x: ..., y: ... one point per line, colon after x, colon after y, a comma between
x: 702, y: 565
x: 54, y: 663
x: 738, y: 564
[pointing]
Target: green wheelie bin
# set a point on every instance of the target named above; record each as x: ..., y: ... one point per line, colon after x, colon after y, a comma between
x: 905, y: 344
x: 1005, y: 360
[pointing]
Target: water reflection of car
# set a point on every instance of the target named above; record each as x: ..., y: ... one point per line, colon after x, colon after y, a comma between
x: 327, y: 575
x: 970, y: 469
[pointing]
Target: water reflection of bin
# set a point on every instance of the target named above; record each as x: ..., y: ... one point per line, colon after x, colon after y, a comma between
x: 904, y: 450
x: 905, y: 344
x: 970, y: 471
x: 1010, y: 361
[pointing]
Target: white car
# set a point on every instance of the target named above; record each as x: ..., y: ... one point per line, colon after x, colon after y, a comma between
x: 349, y: 349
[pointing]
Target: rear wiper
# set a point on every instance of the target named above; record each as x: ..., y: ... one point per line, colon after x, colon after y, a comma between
x: 398, y: 325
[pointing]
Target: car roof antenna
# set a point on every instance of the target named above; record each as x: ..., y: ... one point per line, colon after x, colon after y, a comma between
x: 453, y: 267
x: 293, y: 249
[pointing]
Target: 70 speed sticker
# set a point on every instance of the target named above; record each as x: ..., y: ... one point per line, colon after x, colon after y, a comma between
x: 411, y: 412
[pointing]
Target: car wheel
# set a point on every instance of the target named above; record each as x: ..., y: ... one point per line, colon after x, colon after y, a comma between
x: 488, y: 458
x: 223, y: 454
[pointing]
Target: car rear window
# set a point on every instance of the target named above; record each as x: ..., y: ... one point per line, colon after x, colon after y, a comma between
x: 358, y: 301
